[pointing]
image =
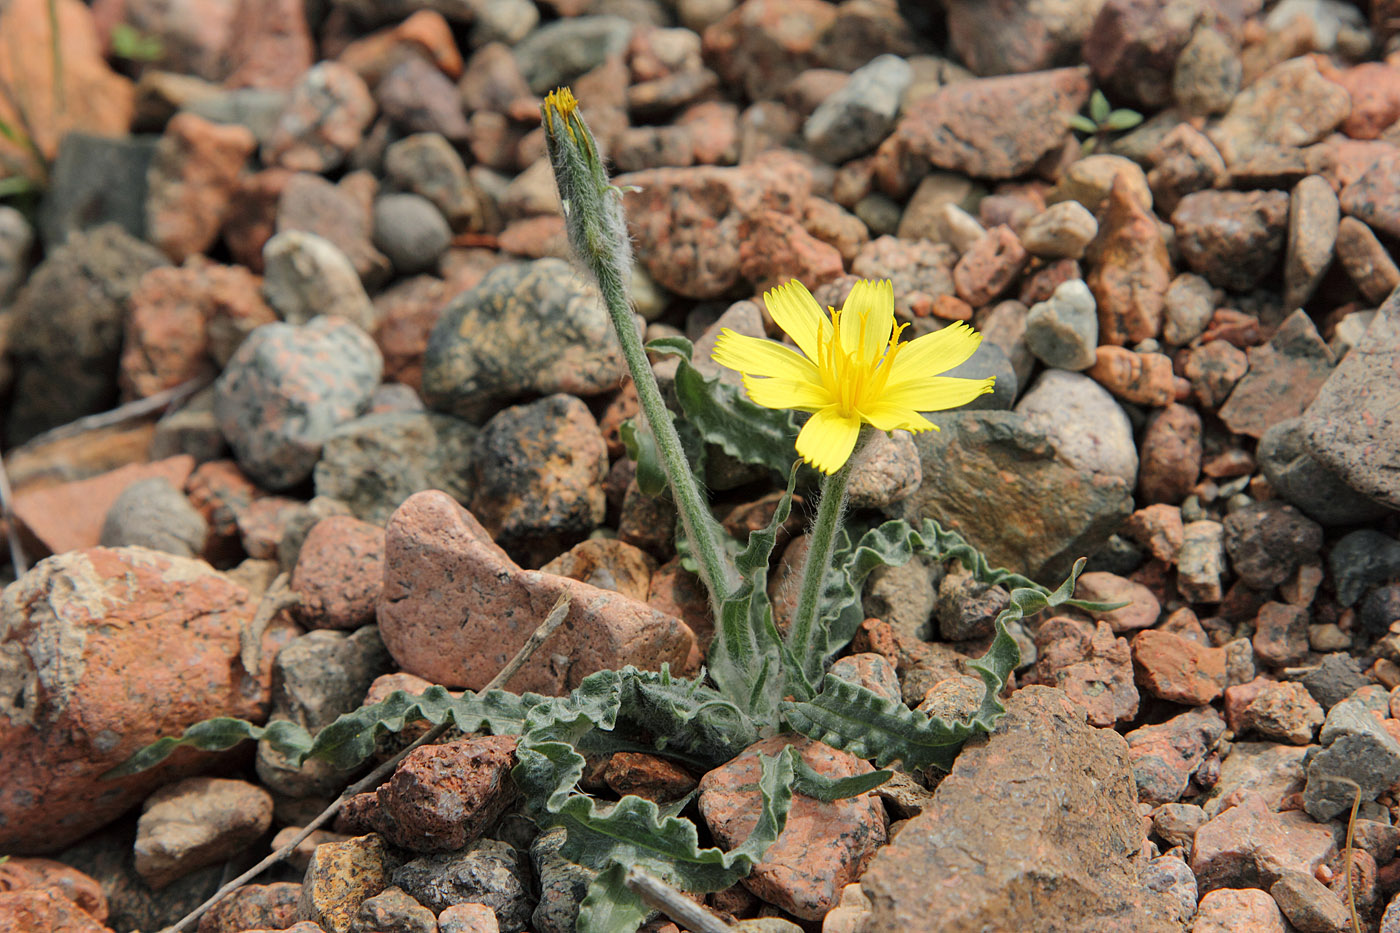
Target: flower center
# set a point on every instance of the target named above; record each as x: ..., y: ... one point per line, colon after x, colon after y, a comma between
x: 854, y: 377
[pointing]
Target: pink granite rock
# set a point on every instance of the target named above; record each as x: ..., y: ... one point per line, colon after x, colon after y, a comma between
x: 1133, y: 269
x: 1228, y: 910
x: 1250, y: 844
x: 339, y: 573
x: 1174, y: 668
x: 1091, y: 665
x: 455, y: 609
x: 823, y: 847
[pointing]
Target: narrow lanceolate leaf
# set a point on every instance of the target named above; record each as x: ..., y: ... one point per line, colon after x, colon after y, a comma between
x: 747, y: 658
x: 633, y: 832
x: 1082, y: 124
x: 867, y: 725
x: 726, y: 418
x: 216, y: 735
x: 812, y: 783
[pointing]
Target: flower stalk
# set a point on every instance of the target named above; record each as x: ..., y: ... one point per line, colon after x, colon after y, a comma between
x: 597, y: 232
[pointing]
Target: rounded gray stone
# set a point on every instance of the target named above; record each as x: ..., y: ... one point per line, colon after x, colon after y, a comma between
x: 559, y: 52
x: 1063, y: 330
x: 411, y: 231
x: 152, y: 513
x: 861, y: 114
x: 306, y: 275
x: 286, y: 390
x: 1089, y: 428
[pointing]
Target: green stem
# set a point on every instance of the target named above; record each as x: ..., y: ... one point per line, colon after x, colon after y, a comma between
x: 716, y: 571
x: 821, y: 546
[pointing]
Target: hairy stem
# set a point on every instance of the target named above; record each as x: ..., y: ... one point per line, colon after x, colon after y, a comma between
x: 821, y: 546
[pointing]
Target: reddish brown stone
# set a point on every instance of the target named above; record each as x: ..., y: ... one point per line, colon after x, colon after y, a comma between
x: 1092, y: 667
x: 1249, y: 844
x: 990, y: 267
x: 254, y: 906
x: 833, y: 225
x: 1142, y: 609
x: 1214, y: 368
x: 329, y: 109
x: 1166, y: 755
x: 1366, y: 260
x: 1133, y: 271
x: 193, y: 176
x: 647, y: 776
x: 608, y: 564
x: 44, y: 909
x: 1158, y: 528
x: 264, y: 522
x: 339, y: 573
x: 407, y: 312
x: 424, y: 33
x: 1284, y: 377
x: 20, y: 873
x: 1141, y: 378
x: 1184, y: 162
x: 763, y: 44
x: 1375, y: 98
x: 153, y: 647
x: 1233, y: 238
x: 1170, y: 455
x: 1230, y: 909
x: 1281, y: 634
x: 1174, y: 668
x: 1285, y: 712
x: 221, y: 493
x: 251, y: 218
x: 823, y: 847
x: 1374, y: 196
x: 774, y: 248
x: 270, y: 44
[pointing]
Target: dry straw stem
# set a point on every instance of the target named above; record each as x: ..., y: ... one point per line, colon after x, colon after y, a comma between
x: 376, y: 777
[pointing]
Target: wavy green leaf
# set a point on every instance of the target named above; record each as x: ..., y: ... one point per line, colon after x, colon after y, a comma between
x: 216, y: 735
x: 610, y: 906
x: 812, y: 783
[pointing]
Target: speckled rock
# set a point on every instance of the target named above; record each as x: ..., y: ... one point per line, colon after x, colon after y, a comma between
x: 1267, y: 541
x: 1214, y: 369
x: 411, y: 231
x: 427, y: 165
x: 325, y: 117
x: 796, y: 873
x: 341, y: 877
x: 472, y: 917
x: 1165, y: 755
x: 1233, y: 238
x: 528, y: 328
x: 1285, y: 712
x: 1090, y: 181
x: 886, y: 472
x: 152, y: 513
x: 1089, y: 429
x: 441, y: 797
x: 1291, y: 104
x: 1366, y: 260
x: 1248, y: 844
x: 306, y: 275
x: 1078, y: 787
x: 287, y: 388
x: 774, y: 247
x: 252, y: 907
x: 1091, y: 665
x: 1359, y: 752
x: 1133, y: 271
x: 149, y: 645
x: 393, y: 910
x: 1309, y: 905
x: 1140, y: 378
x: 1189, y: 303
x: 339, y: 573
x: 1351, y: 425
x: 1284, y: 377
x: 319, y: 676
x: 441, y: 568
x: 197, y: 822
x: 983, y: 127
x: 562, y: 884
x: 1062, y: 230
x: 539, y: 470
x: 920, y: 270
x: 486, y: 872
x: 989, y: 266
x: 375, y: 462
x: 1313, y: 216
x: 44, y: 908
x: 1037, y: 517
x: 609, y: 564
x: 1228, y: 909
x: 1185, y: 161
x: 192, y: 178
x: 66, y: 337
x: 859, y: 115
x: 1170, y: 454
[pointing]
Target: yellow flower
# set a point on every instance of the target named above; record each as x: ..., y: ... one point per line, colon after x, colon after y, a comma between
x: 852, y: 368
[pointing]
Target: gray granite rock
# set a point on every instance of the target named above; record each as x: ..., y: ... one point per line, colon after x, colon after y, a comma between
x: 1062, y: 230
x: 287, y: 388
x: 487, y: 872
x: 1089, y: 428
x: 861, y: 113
x: 376, y: 462
x: 563, y: 884
x: 305, y: 275
x: 1358, y: 752
x: 152, y: 513
x: 529, y: 328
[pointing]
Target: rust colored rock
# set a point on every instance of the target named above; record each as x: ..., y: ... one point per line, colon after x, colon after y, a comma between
x: 423, y: 34
x: 70, y: 515
x: 1249, y: 844
x: 990, y: 267
x: 1091, y: 665
x: 1158, y: 528
x: 17, y: 874
x: 254, y: 906
x: 1133, y: 271
x: 1284, y: 377
x: 182, y: 321
x: 342, y: 876
x: 1214, y: 368
x: 455, y: 609
x: 442, y: 797
x: 774, y: 247
x: 647, y: 776
x: 823, y: 847
x: 407, y: 312
x: 1167, y: 754
x: 1229, y: 909
x: 1174, y: 668
x: 1371, y: 196
x: 95, y: 98
x: 149, y: 645
x: 1285, y: 712
x: 1184, y: 162
x: 1170, y: 455
x: 339, y: 573
x: 990, y: 127
x: 1142, y: 609
x: 1281, y: 634
x: 609, y: 564
x: 1071, y: 782
x: 192, y: 180
x: 44, y: 909
x: 251, y: 219
x: 1141, y: 378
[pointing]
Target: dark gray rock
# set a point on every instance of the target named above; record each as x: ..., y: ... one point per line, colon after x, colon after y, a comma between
x: 559, y: 52
x: 1063, y: 858
x: 563, y: 884
x: 1336, y: 678
x: 998, y: 481
x: 411, y: 231
x: 1362, y: 559
x: 1307, y: 483
x: 66, y: 337
x: 486, y: 872
x: 317, y: 677
x: 96, y: 180
x: 1267, y: 541
x: 152, y: 513
x: 529, y: 328
x: 376, y: 462
x: 1353, y: 425
x: 861, y: 113
x: 989, y: 360
x: 287, y: 388
x: 1379, y: 609
x: 1359, y: 752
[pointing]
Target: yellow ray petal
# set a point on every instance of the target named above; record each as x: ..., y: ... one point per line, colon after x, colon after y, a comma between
x: 795, y: 310
x: 872, y: 302
x: 889, y: 417
x: 934, y: 353
x: 827, y: 439
x: 759, y: 357
x: 787, y: 393
x: 936, y: 393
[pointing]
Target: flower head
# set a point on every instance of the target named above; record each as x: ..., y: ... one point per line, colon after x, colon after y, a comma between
x: 852, y: 369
